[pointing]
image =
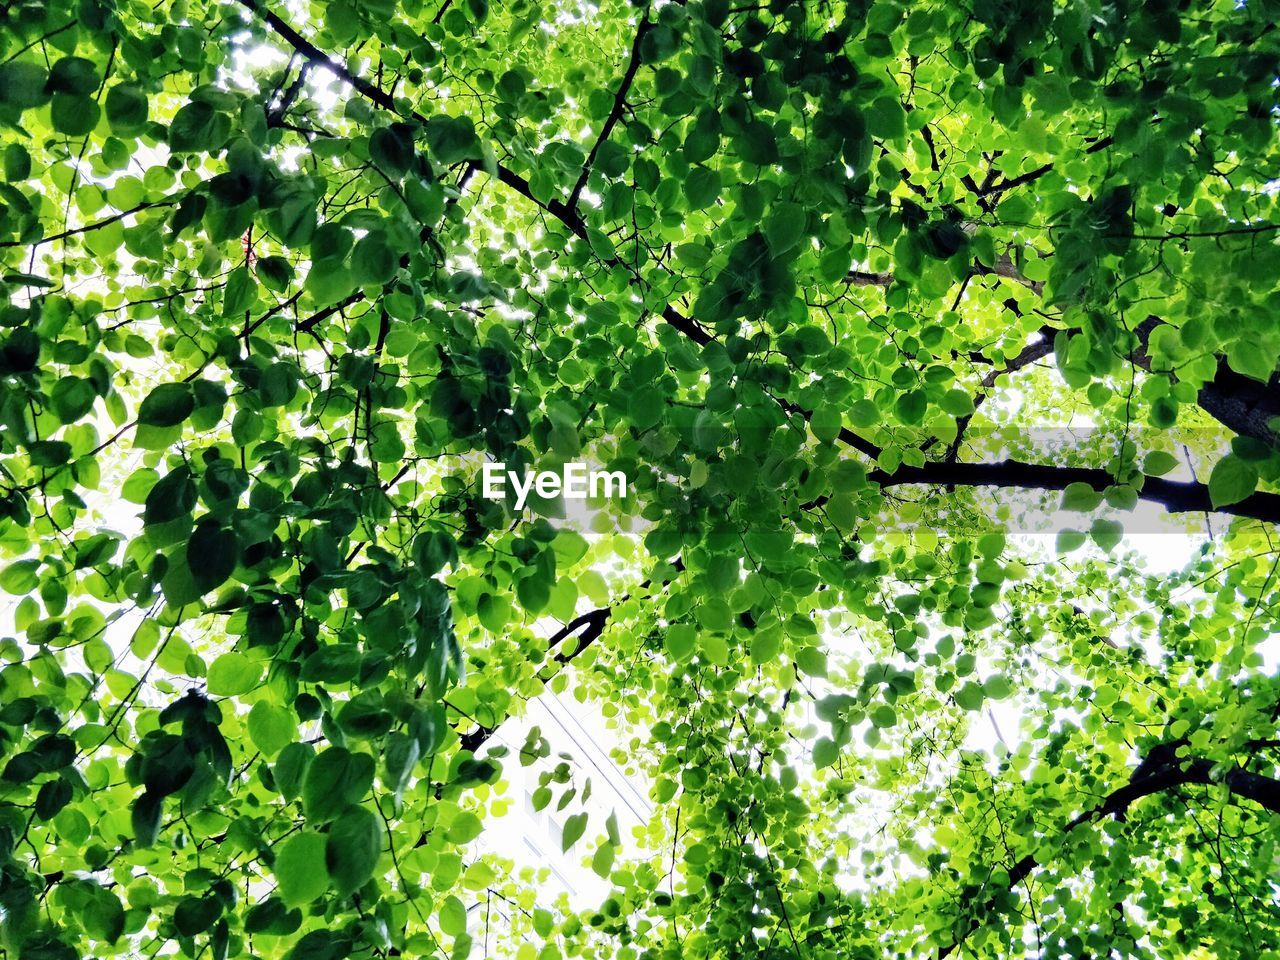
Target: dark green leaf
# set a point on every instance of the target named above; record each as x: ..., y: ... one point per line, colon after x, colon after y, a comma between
x: 392, y: 149
x: 212, y: 554
x: 74, y: 114
x: 353, y: 848
x: 167, y: 405
x: 126, y: 108
x: 335, y: 780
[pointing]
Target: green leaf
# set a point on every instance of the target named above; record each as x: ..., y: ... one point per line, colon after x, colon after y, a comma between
x: 72, y: 398
x: 602, y: 860
x: 17, y: 163
x: 335, y: 780
x: 453, y: 917
x: 825, y: 753
x: 826, y: 422
x: 25, y: 84
x: 320, y: 945
x: 681, y: 640
x: 126, y: 108
x: 167, y: 405
x: 74, y: 114
x: 511, y: 85
x: 279, y: 385
x: 271, y: 728
x: 172, y: 497
x: 1069, y: 540
x: 49, y: 453
x: 864, y: 413
x: 291, y: 768
x: 53, y: 796
x: 646, y: 407
x: 212, y: 554
x: 1158, y: 463
x: 197, y: 128
x: 329, y: 283
x: 233, y: 675
x: 574, y: 827
x: 1080, y: 497
x: 195, y: 915
x: 911, y: 406
x: 785, y: 227
x: 1249, y: 358
x: 957, y: 403
x: 884, y: 716
x: 997, y: 687
x: 391, y: 148
x: 466, y: 826
x: 271, y: 916
x: 702, y: 187
x: 886, y: 118
x: 703, y: 137
x: 451, y: 139
x: 302, y: 873
x: 373, y: 261
x: 758, y: 144
x: 20, y: 578
x: 1106, y: 533
x: 74, y: 75
x: 400, y: 757
x: 145, y: 815
x: 1233, y: 478
x: 239, y: 295
x: 693, y: 255
x: 970, y: 696
x: 104, y: 915
x: 352, y: 849
x: 275, y: 273
x: 297, y: 219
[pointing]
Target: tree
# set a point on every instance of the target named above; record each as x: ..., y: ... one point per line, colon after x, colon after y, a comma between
x: 830, y: 282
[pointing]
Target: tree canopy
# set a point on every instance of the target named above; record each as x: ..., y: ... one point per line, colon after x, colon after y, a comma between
x: 857, y: 294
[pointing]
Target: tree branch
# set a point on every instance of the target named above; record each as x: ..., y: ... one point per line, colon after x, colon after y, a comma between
x: 1161, y: 771
x: 89, y: 226
x: 1241, y: 403
x: 1032, y: 175
x: 1175, y: 496
x: 1027, y: 356
x: 318, y: 57
x: 587, y: 628
x: 615, y: 114
x: 309, y: 324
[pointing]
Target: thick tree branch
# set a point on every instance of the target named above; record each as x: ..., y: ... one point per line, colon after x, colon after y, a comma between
x: 1243, y: 404
x: 1175, y: 496
x: 585, y: 628
x: 317, y: 318
x: 1005, y: 267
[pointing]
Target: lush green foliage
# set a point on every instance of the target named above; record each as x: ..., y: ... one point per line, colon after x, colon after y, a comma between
x: 277, y: 275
